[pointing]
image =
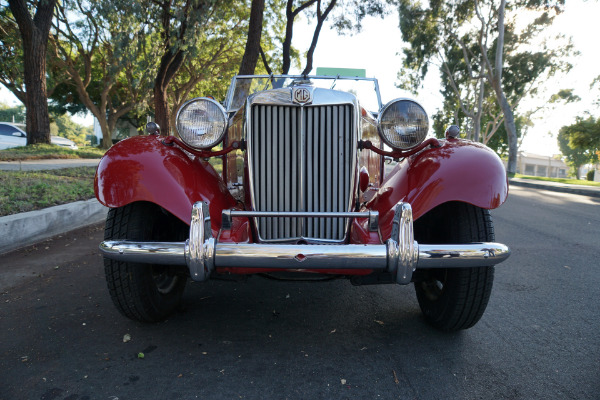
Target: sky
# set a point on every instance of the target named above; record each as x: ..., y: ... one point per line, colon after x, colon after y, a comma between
x: 378, y: 47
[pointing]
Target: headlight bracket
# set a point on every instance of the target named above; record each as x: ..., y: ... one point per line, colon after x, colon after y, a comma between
x: 398, y: 154
x: 170, y: 140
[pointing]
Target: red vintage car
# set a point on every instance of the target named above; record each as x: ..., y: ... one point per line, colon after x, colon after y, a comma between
x: 313, y: 181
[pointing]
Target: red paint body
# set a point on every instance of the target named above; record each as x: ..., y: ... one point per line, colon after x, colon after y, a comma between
x: 459, y: 170
x: 142, y: 168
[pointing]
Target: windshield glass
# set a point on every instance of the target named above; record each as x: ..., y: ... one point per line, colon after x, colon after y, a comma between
x: 365, y: 89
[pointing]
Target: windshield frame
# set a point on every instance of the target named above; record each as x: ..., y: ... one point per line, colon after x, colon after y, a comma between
x: 333, y: 79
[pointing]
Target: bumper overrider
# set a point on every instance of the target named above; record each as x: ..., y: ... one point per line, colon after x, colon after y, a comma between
x: 401, y: 255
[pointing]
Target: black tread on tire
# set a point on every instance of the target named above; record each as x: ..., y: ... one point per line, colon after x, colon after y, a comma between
x: 144, y: 292
x: 455, y: 298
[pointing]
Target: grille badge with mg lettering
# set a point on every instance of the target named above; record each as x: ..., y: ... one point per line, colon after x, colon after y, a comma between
x: 302, y: 95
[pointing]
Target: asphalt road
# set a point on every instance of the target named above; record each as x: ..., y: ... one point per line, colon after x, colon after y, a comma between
x: 61, y: 338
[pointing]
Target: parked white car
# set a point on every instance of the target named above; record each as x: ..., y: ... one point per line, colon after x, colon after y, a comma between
x: 13, y: 136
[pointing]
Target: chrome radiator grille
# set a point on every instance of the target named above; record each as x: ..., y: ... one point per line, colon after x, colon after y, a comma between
x: 302, y: 159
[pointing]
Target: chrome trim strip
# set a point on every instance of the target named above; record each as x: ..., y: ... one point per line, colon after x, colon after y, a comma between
x: 227, y: 216
x: 461, y: 255
x: 163, y: 253
x: 198, y: 248
x: 349, y: 256
x: 302, y: 256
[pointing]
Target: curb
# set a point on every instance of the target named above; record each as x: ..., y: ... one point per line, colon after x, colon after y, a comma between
x: 20, y: 230
x: 556, y: 188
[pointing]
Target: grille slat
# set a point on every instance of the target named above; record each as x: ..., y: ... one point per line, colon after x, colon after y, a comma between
x: 302, y: 159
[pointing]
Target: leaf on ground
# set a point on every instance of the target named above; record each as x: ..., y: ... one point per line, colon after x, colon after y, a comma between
x: 140, y: 355
x: 126, y: 338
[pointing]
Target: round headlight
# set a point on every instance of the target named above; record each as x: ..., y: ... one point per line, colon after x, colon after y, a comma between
x: 403, y: 124
x: 201, y: 123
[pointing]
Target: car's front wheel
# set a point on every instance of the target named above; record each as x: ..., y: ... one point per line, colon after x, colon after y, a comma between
x: 454, y: 298
x: 144, y: 292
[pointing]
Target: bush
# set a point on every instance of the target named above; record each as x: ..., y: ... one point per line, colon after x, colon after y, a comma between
x: 590, y: 175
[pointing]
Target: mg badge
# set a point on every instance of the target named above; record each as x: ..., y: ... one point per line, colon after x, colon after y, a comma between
x: 302, y: 95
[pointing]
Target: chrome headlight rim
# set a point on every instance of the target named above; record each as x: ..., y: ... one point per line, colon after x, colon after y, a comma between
x: 382, y: 114
x: 218, y: 137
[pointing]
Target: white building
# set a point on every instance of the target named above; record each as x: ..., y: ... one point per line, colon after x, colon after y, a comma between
x: 123, y: 130
x: 538, y: 165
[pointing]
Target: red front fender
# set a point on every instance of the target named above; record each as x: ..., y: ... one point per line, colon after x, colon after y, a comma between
x: 459, y: 170
x: 142, y: 168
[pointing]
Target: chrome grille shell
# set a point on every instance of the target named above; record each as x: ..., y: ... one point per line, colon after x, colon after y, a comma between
x: 302, y: 158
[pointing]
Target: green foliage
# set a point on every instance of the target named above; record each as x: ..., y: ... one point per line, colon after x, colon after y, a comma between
x: 22, y: 191
x: 11, y: 58
x: 11, y: 54
x: 451, y: 36
x: 10, y: 114
x: 64, y: 126
x: 590, y: 175
x: 585, y: 134
x: 580, y: 142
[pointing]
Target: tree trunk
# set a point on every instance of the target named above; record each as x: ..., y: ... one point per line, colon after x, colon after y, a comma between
x: 169, y: 65
x: 106, y: 142
x: 511, y: 134
x: 509, y: 118
x: 477, y: 118
x: 252, y: 51
x: 34, y: 33
x: 36, y: 100
x: 161, y: 109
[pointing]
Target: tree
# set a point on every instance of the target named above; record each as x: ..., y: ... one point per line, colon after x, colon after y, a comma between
x: 486, y: 66
x: 34, y: 31
x: 584, y: 134
x: 108, y: 55
x: 218, y: 53
x: 180, y: 24
x: 575, y: 156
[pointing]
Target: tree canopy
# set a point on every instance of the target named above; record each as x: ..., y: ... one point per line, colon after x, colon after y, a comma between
x: 580, y: 143
x: 487, y: 63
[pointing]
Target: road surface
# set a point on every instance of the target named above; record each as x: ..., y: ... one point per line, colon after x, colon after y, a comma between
x: 61, y: 338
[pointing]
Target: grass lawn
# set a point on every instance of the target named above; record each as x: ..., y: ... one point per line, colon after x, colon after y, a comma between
x: 559, y: 180
x: 48, y: 151
x: 22, y: 191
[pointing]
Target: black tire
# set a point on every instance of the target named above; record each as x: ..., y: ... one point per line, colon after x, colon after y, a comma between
x: 455, y: 298
x: 144, y: 292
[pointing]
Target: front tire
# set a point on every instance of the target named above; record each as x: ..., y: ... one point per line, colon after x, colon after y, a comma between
x: 454, y: 298
x: 144, y: 292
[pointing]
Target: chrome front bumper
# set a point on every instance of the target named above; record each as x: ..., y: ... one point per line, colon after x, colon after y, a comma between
x: 401, y: 255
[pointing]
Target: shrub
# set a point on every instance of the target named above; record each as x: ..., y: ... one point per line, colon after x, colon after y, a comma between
x: 590, y: 175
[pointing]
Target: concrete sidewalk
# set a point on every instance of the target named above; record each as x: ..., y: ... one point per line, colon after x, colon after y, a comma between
x: 593, y: 191
x: 37, y: 165
x: 24, y: 229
